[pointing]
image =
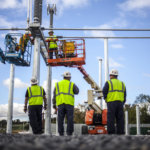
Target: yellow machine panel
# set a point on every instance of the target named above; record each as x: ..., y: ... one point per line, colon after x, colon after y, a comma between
x: 68, y: 47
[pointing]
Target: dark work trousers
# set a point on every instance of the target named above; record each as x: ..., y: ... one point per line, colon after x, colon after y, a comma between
x: 67, y: 110
x: 51, y: 50
x: 35, y: 118
x: 115, y: 112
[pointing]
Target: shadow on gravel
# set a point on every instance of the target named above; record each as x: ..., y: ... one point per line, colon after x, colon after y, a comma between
x: 88, y: 142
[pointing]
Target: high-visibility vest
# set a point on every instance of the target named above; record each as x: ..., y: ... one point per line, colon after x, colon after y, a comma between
x: 35, y: 95
x: 64, y: 92
x: 116, y: 91
x: 52, y: 44
x: 23, y: 41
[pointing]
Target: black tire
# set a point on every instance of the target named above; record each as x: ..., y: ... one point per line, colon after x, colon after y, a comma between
x: 84, y: 130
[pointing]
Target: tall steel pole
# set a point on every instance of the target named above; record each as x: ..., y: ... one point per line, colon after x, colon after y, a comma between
x: 100, y: 80
x: 10, y: 100
x: 138, y: 120
x: 106, y: 59
x: 51, y: 11
x: 37, y: 39
x: 126, y: 123
x: 106, y: 63
x: 36, y: 59
x: 30, y: 11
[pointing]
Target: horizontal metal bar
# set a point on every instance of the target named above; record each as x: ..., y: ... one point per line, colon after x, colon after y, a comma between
x: 97, y: 29
x: 13, y: 29
x: 100, y: 37
x: 76, y: 29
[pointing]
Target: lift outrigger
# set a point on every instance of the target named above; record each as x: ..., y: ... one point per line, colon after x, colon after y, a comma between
x: 18, y: 48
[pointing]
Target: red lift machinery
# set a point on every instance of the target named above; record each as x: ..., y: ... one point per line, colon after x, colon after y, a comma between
x: 95, y: 118
x: 71, y: 53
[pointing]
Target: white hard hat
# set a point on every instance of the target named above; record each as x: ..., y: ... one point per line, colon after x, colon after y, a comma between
x: 114, y: 72
x: 51, y: 31
x: 28, y: 32
x: 34, y: 81
x: 66, y: 74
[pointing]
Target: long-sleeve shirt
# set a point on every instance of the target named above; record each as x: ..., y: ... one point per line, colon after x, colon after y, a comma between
x: 75, y: 91
x: 105, y: 91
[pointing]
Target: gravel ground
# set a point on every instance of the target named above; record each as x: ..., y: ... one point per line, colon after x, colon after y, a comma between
x: 88, y: 142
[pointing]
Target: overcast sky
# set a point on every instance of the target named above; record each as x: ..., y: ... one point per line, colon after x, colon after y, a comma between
x: 129, y: 56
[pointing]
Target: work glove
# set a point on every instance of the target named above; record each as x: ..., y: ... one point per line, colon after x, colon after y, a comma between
x: 45, y: 106
x: 25, y: 109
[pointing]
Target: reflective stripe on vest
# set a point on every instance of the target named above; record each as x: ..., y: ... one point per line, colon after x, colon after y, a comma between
x: 64, y: 92
x: 53, y: 44
x: 116, y: 91
x: 35, y: 95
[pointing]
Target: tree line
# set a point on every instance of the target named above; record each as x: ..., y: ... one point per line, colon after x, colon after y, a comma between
x: 144, y: 102
x: 79, y: 117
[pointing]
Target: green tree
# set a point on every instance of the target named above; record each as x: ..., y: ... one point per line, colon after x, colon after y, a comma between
x: 142, y: 98
x: 3, y: 123
x: 131, y: 113
x: 143, y: 101
x: 144, y: 116
x: 79, y: 117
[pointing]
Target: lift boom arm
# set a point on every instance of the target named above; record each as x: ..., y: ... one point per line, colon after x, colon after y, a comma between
x: 97, y: 92
x: 88, y: 78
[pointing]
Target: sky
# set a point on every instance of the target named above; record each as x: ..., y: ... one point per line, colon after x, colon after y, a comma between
x: 129, y: 56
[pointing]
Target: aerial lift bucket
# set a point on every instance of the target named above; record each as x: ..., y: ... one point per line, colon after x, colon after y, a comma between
x: 18, y: 49
x: 70, y: 52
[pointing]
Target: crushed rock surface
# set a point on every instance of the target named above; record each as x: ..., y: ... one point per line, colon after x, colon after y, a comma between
x: 82, y: 142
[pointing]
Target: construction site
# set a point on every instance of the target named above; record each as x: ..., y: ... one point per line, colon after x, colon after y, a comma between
x: 22, y: 46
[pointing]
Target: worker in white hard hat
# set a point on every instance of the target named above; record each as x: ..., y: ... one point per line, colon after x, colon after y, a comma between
x: 35, y: 95
x: 53, y: 48
x: 63, y: 100
x: 114, y: 92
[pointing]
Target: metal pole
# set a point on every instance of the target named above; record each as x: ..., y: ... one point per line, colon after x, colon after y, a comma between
x: 106, y: 59
x: 30, y: 11
x: 36, y: 59
x: 50, y: 11
x: 48, y: 111
x: 138, y: 120
x: 106, y: 63
x: 100, y: 80
x: 10, y: 100
x: 126, y: 123
x: 96, y: 29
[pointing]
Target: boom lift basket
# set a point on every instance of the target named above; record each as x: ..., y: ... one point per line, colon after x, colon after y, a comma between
x: 70, y: 52
x: 18, y: 50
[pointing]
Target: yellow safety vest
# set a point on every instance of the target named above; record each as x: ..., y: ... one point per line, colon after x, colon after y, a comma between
x: 23, y: 42
x: 64, y: 92
x: 52, y: 44
x: 35, y: 95
x: 116, y: 91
